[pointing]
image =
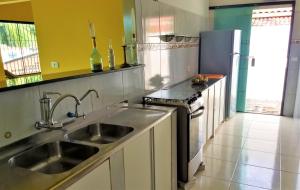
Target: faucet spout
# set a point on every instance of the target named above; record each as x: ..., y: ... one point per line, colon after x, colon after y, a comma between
x: 88, y: 92
x: 78, y: 102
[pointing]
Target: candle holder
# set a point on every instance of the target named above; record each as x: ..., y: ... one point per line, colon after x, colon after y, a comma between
x: 125, y: 64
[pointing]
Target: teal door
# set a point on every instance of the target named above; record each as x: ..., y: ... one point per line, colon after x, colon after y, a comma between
x: 238, y: 18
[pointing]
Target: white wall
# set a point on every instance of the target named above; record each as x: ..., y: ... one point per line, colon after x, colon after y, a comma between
x: 236, y: 2
x: 168, y: 63
x: 196, y: 6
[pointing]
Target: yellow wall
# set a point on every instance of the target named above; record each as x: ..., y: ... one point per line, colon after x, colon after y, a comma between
x: 16, y: 12
x: 63, y: 35
x: 2, y: 74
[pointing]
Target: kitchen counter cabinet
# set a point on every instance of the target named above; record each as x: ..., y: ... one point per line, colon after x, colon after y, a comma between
x: 137, y: 163
x: 222, y: 100
x: 146, y: 162
x: 148, y: 159
x: 98, y: 179
x: 214, y: 102
x: 217, y: 101
x: 210, y: 117
x: 163, y: 155
x: 205, y: 115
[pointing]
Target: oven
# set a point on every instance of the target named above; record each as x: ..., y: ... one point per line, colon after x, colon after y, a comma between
x: 190, y: 130
x: 196, y: 141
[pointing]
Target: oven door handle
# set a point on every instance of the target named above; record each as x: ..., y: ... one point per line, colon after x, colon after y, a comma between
x: 198, y: 112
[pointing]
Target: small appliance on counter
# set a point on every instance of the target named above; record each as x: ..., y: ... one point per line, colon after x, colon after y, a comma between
x: 190, y: 130
x: 220, y: 54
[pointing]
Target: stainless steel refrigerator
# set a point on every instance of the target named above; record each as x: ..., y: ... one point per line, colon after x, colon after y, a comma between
x: 220, y: 54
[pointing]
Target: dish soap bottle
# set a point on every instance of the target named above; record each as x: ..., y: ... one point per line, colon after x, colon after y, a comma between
x: 111, y: 56
x: 96, y: 62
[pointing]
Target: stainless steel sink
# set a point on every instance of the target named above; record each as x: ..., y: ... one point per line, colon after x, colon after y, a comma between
x: 53, y: 158
x: 101, y: 133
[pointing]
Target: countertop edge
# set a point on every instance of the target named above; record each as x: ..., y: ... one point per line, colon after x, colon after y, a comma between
x: 28, y: 85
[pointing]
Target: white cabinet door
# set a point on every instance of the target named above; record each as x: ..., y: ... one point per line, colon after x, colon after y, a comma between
x: 98, y: 179
x: 205, y: 115
x: 217, y: 105
x: 163, y: 155
x: 137, y: 163
x: 210, y: 117
x: 222, y: 100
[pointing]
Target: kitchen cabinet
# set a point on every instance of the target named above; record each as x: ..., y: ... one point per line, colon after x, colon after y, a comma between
x: 147, y: 162
x: 163, y: 155
x: 97, y: 179
x: 214, y: 102
x: 217, y: 101
x: 205, y: 114
x: 138, y: 163
x: 222, y: 100
x: 210, y: 117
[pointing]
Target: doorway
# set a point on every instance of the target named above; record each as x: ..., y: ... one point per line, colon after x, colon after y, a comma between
x: 267, y: 61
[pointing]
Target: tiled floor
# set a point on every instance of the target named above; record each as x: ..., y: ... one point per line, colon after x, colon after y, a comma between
x: 252, y: 152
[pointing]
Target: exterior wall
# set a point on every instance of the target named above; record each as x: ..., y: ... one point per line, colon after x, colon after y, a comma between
x: 236, y: 2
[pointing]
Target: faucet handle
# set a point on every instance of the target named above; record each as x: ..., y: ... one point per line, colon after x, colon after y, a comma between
x: 76, y: 115
x: 45, y: 94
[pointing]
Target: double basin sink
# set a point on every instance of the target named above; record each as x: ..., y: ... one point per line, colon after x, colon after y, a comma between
x: 61, y: 156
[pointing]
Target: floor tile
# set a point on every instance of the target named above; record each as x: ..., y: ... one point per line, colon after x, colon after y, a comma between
x: 236, y: 131
x: 265, y: 126
x: 260, y: 159
x: 261, y: 145
x: 264, y: 135
x: 207, y: 183
x: 218, y: 169
x: 222, y: 152
x: 228, y: 140
x: 290, y: 181
x: 290, y: 164
x: 258, y: 177
x: 238, y: 186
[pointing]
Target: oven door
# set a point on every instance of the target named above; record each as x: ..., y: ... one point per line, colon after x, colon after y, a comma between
x: 196, y: 141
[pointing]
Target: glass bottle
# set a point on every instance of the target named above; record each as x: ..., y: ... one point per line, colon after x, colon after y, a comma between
x: 111, y: 56
x: 96, y: 58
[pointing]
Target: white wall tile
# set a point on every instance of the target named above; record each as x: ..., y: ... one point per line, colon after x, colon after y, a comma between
x: 19, y: 110
x: 75, y: 87
x: 133, y: 85
x: 110, y: 88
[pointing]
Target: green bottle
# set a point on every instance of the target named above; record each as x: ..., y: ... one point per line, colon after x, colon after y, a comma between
x: 96, y: 58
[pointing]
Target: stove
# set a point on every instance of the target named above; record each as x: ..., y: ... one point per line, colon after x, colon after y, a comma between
x: 190, y: 129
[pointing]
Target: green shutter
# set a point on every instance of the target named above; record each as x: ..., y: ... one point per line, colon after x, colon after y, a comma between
x: 238, y: 18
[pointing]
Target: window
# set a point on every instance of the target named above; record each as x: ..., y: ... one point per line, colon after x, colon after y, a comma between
x: 18, y: 46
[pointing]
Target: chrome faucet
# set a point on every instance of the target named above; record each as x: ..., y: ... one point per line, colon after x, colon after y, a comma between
x: 47, y: 110
x: 81, y: 99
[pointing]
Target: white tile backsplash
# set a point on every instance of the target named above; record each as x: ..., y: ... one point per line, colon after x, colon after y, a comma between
x: 134, y: 87
x: 20, y: 109
x: 110, y: 88
x: 170, y: 65
x: 76, y: 87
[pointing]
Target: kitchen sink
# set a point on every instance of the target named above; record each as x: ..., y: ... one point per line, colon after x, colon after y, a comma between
x: 53, y: 158
x: 101, y: 133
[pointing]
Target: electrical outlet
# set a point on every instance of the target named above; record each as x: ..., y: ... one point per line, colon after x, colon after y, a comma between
x: 54, y: 64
